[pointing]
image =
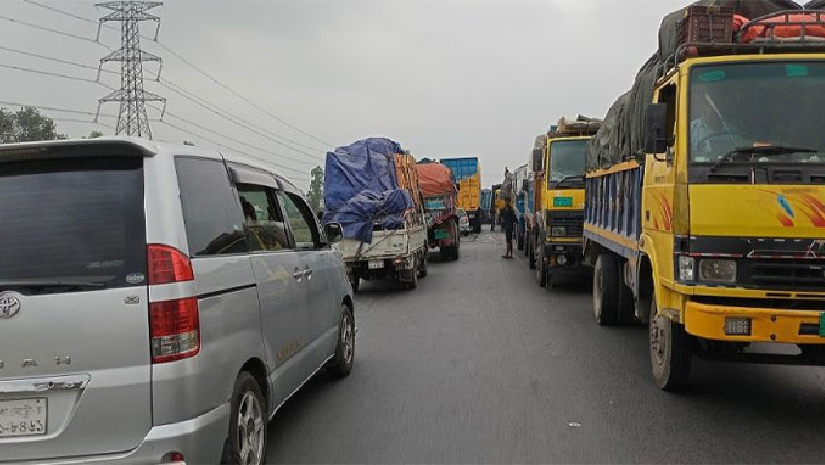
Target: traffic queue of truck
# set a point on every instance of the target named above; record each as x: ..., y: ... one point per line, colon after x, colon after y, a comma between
x: 393, y: 211
x: 699, y: 201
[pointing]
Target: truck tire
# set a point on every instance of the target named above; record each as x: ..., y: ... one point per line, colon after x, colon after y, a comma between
x: 457, y: 250
x: 446, y: 253
x: 355, y: 282
x: 532, y: 256
x: 413, y: 282
x: 606, y: 290
x: 541, y: 267
x: 422, y: 265
x: 671, y: 351
x: 626, y: 312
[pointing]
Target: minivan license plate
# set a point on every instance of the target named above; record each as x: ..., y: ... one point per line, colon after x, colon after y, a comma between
x: 375, y: 264
x: 23, y: 417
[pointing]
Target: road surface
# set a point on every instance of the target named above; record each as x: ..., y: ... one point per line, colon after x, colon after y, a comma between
x: 480, y: 365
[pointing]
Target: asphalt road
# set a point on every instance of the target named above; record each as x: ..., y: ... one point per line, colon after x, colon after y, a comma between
x: 480, y: 365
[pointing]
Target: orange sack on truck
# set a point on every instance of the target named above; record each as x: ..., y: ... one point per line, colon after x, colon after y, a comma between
x: 787, y: 27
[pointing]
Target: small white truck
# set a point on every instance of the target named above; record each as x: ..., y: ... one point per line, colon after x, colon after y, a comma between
x: 399, y: 254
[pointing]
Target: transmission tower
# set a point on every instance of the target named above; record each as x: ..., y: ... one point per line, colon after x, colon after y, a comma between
x: 132, y: 119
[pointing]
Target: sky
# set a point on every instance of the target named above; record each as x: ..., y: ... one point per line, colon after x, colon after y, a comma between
x: 445, y: 78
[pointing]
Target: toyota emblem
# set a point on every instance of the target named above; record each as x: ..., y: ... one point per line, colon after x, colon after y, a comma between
x: 9, y: 305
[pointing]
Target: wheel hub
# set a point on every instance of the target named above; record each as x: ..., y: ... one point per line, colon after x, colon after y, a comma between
x: 250, y: 430
x: 657, y: 339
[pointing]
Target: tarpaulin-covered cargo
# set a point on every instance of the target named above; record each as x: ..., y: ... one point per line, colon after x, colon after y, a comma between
x: 369, y: 184
x: 435, y: 179
x: 751, y: 9
x: 622, y: 135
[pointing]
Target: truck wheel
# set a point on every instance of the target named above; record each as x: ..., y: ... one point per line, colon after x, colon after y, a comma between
x: 422, y: 266
x: 606, y: 290
x: 541, y: 268
x: 446, y: 253
x: 532, y: 261
x: 671, y: 351
x: 456, y: 250
x: 627, y: 303
x: 413, y: 282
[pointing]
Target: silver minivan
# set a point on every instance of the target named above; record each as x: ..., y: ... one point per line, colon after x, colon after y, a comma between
x: 158, y: 303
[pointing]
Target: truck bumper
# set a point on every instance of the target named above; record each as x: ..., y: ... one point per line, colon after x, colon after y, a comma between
x: 766, y: 325
x: 564, y: 254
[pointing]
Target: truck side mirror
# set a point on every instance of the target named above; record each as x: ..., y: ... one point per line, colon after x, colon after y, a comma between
x: 538, y: 159
x: 334, y: 232
x: 655, y: 128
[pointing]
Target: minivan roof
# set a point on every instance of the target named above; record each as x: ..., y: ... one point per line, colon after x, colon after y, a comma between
x: 135, y: 145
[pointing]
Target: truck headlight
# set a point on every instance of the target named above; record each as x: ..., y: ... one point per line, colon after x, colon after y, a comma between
x: 685, y: 268
x: 717, y: 270
x: 558, y: 231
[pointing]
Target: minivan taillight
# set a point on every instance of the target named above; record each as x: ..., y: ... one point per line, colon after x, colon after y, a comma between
x: 168, y: 265
x: 174, y: 329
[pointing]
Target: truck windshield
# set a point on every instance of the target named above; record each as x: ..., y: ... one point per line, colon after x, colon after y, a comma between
x: 567, y: 160
x: 739, y: 107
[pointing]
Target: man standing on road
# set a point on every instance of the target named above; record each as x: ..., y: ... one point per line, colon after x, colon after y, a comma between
x: 508, y: 222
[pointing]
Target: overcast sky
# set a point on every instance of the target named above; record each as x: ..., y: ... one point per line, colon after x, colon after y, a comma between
x: 445, y: 78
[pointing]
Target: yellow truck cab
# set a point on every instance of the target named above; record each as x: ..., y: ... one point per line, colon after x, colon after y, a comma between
x: 559, y: 217
x: 714, y: 233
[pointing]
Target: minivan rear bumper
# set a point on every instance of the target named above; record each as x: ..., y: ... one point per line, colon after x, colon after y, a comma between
x: 200, y: 440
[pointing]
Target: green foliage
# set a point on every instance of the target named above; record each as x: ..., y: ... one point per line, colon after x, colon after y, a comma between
x: 26, y: 124
x: 315, y: 195
x: 189, y: 143
x: 95, y: 135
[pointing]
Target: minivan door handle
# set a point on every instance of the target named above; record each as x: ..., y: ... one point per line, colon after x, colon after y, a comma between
x: 298, y: 274
x: 308, y: 273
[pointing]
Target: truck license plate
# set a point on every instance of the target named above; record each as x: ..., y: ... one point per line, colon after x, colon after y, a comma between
x: 23, y: 417
x: 822, y: 324
x: 375, y: 264
x: 562, y: 201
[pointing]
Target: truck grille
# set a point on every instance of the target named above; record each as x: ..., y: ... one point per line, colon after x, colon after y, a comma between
x: 788, y: 274
x: 573, y: 220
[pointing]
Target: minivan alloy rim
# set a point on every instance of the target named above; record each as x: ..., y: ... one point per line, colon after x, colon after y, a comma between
x: 346, y: 338
x: 250, y: 430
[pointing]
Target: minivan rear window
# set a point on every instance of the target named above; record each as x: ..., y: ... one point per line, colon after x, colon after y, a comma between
x: 72, y: 224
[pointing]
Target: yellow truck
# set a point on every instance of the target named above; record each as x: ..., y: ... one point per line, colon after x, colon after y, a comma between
x: 555, y: 243
x: 709, y: 224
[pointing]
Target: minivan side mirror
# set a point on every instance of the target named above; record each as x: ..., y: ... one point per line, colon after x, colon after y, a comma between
x: 656, y: 140
x: 333, y: 232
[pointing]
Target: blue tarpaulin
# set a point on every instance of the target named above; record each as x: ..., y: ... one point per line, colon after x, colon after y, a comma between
x: 361, y: 190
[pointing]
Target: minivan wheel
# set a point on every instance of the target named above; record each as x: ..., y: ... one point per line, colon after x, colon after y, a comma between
x: 341, y: 364
x: 247, y: 425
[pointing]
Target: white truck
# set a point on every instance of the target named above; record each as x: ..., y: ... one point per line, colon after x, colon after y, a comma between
x: 399, y: 254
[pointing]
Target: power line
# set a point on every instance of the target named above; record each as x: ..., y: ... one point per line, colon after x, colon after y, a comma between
x: 64, y: 76
x: 240, y: 122
x: 189, y: 96
x: 55, y: 31
x: 199, y: 70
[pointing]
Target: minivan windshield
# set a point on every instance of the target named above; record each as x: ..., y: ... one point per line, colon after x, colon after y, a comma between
x: 72, y: 224
x: 750, y: 108
x: 567, y: 162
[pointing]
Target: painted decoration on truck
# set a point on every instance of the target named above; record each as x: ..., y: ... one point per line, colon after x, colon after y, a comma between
x: 758, y: 211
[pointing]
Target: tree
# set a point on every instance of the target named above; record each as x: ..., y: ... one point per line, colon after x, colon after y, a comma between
x: 189, y: 143
x: 94, y: 135
x: 315, y: 195
x: 27, y: 124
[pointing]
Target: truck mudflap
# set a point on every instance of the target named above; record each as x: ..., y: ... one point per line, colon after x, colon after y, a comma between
x: 744, y: 324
